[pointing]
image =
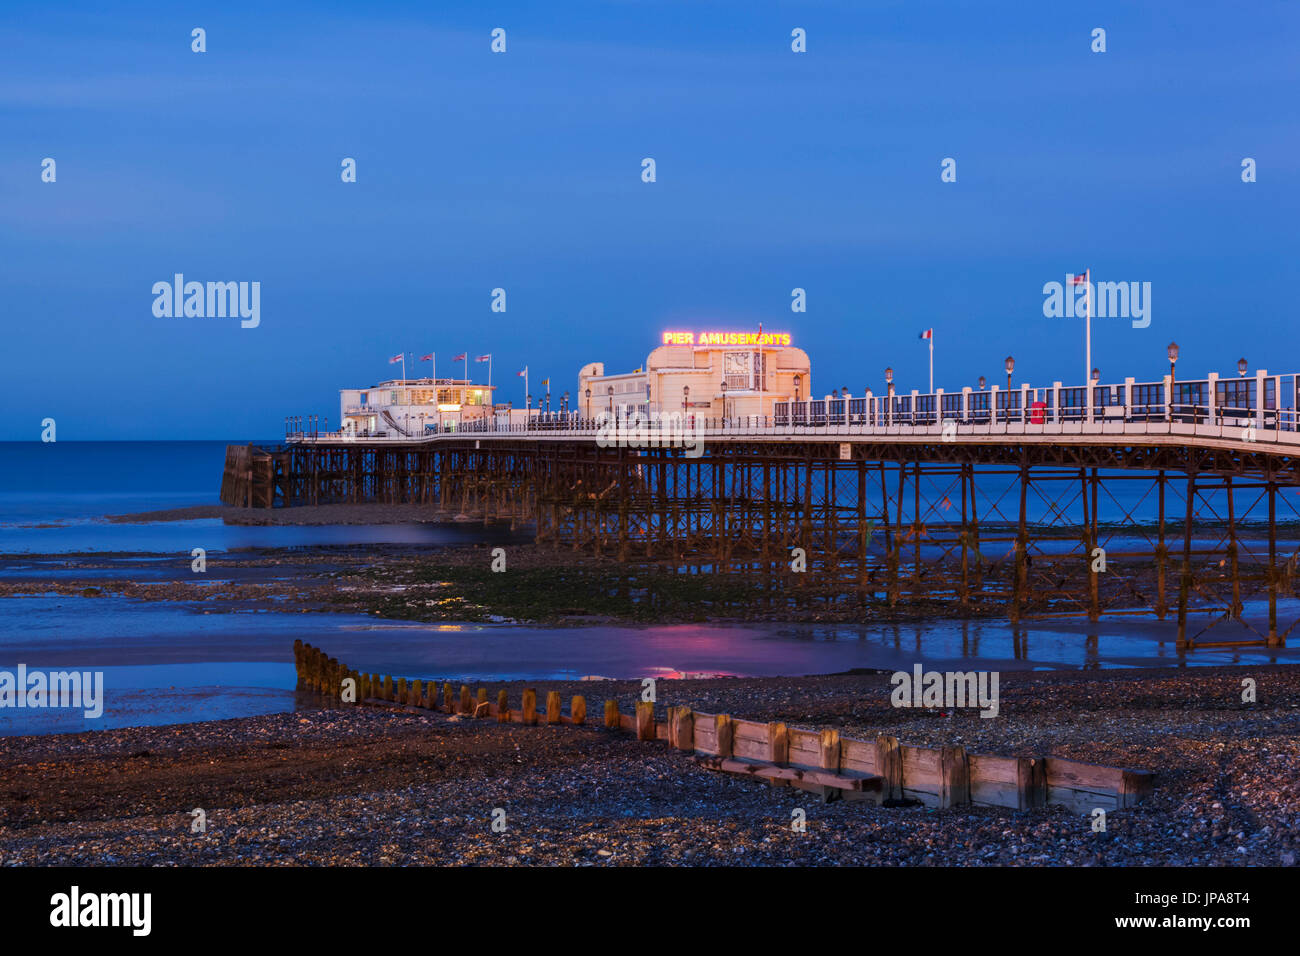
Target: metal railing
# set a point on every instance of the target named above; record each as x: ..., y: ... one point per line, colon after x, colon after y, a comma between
x: 1241, y: 409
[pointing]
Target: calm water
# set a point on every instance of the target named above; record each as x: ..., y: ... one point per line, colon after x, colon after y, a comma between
x: 167, y: 662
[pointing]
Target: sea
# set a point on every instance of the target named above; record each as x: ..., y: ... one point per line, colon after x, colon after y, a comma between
x: 166, y: 662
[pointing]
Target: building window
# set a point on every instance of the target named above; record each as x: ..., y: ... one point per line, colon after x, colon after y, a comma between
x: 736, y: 369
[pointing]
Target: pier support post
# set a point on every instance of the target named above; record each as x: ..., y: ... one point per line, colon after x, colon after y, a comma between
x: 1185, y: 582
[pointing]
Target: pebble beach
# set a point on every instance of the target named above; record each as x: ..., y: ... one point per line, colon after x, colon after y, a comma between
x: 362, y: 785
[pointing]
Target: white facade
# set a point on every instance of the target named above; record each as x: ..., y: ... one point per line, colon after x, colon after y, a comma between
x: 413, y: 407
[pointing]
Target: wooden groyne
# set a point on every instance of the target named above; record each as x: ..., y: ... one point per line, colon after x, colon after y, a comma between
x: 880, y: 770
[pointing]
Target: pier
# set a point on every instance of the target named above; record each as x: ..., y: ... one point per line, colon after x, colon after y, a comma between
x: 1160, y: 500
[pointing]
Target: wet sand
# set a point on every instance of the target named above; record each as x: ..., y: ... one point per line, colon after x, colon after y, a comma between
x: 340, y: 514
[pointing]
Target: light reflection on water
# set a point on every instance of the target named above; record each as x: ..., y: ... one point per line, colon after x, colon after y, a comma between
x: 198, y: 666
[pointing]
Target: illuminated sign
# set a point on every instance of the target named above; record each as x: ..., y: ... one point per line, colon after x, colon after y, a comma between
x: 765, y: 340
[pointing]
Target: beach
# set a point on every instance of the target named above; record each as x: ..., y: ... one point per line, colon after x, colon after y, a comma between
x: 360, y: 785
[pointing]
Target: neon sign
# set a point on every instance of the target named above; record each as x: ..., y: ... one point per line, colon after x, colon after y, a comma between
x: 765, y: 340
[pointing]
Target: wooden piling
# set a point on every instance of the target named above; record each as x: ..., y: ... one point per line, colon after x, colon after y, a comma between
x: 448, y: 702
x: 725, y: 729
x: 466, y: 701
x: 681, y: 728
x: 954, y: 777
x: 889, y: 767
x: 387, y: 691
x: 417, y: 693
x: 645, y: 720
x: 829, y: 747
x: 503, y: 707
x: 481, y: 703
x: 530, y: 707
x: 778, y: 739
x: 611, y: 715
x: 1031, y: 782
x: 552, y: 706
x: 578, y: 710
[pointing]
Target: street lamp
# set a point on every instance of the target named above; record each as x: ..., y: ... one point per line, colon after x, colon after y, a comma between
x: 588, y: 403
x: 1010, y: 366
x: 1172, y: 352
x: 1241, y: 366
x: 983, y: 383
x: 724, y: 399
x: 686, y: 395
x: 889, y: 395
x: 797, y: 380
x: 611, y: 401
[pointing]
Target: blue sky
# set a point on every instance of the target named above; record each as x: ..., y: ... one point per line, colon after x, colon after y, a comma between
x: 522, y: 170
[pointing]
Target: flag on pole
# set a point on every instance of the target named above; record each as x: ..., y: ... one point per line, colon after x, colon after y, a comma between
x: 546, y: 382
x: 427, y: 358
x: 397, y: 358
x: 483, y: 358
x: 928, y: 334
x: 524, y: 373
x: 1080, y: 279
x: 459, y: 358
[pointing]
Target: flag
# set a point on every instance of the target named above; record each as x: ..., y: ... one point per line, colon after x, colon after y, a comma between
x: 1080, y: 279
x: 395, y: 359
x: 523, y: 373
x: 459, y: 358
x: 928, y: 334
x: 546, y: 382
x: 427, y: 358
x: 482, y: 358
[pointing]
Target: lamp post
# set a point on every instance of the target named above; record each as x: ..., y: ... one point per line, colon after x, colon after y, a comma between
x: 1172, y: 352
x: 589, y: 404
x: 686, y: 395
x: 611, y: 401
x: 1010, y: 366
x: 1241, y: 367
x: 798, y: 380
x: 889, y: 395
x: 1096, y: 377
x: 724, y: 401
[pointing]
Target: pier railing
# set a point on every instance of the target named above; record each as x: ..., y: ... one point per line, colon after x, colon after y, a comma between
x: 1260, y: 408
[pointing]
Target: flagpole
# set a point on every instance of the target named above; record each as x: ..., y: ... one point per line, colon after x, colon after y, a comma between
x: 467, y: 366
x: 403, y: 369
x: 932, y: 361
x: 434, y: 362
x: 1087, y: 357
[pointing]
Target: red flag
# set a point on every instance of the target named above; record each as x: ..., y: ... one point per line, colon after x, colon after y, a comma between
x: 460, y: 357
x: 427, y: 358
